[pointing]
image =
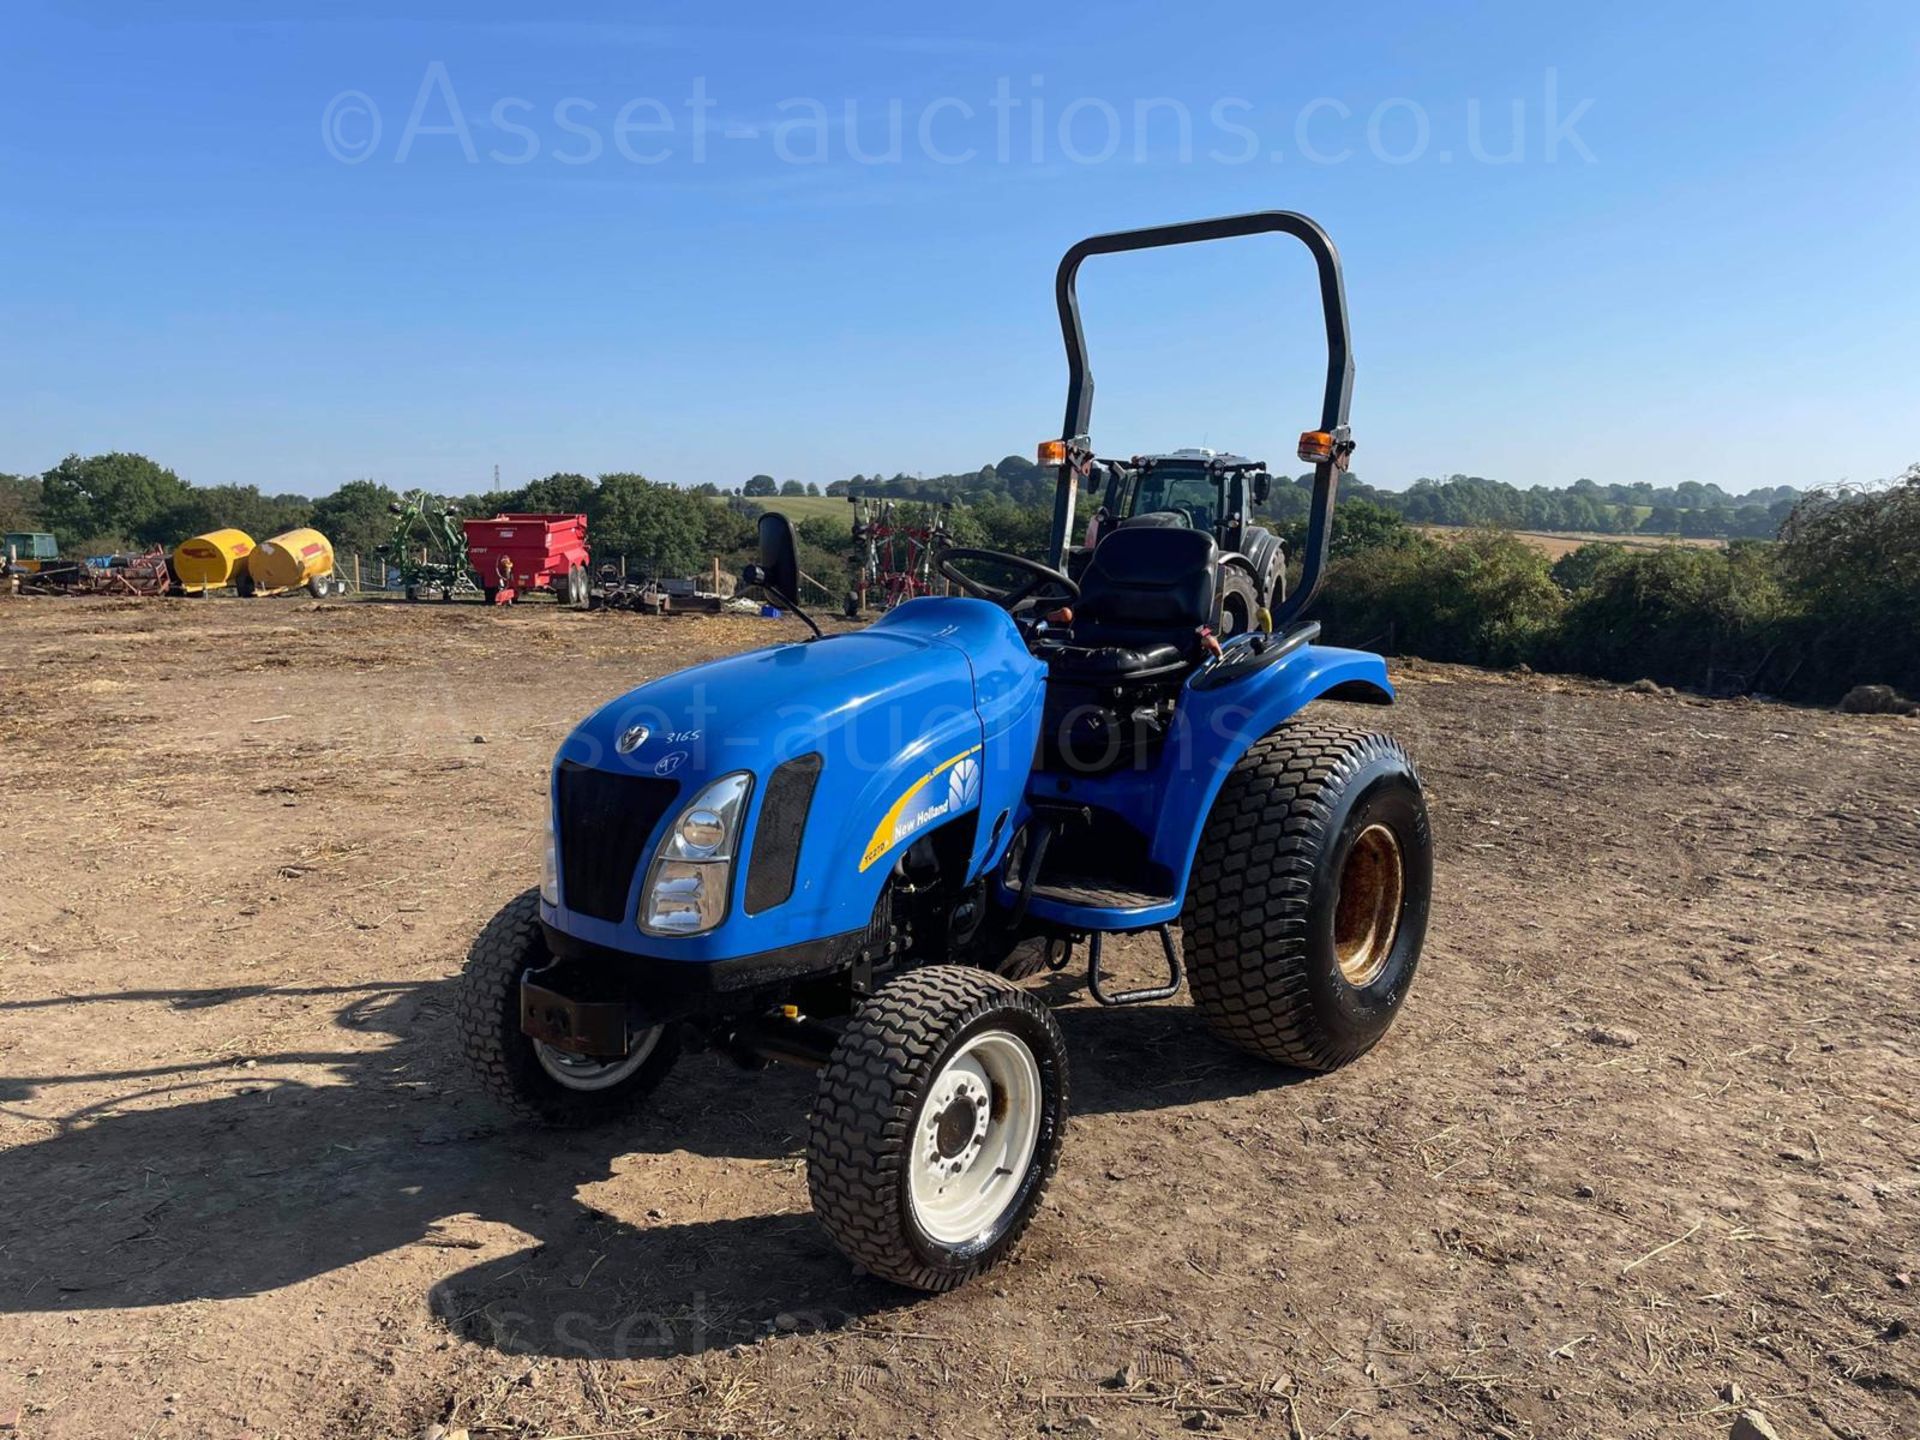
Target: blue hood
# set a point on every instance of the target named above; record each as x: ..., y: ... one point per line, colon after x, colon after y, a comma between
x: 895, y: 713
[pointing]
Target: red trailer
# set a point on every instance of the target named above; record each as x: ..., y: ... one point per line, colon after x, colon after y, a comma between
x: 512, y: 554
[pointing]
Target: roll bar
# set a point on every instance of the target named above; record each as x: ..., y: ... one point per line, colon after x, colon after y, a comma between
x: 1335, y: 399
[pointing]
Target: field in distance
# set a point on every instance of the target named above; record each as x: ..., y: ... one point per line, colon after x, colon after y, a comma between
x: 1563, y: 542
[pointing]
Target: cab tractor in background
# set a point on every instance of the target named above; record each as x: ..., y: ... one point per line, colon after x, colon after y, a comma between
x: 1200, y: 490
x: 843, y: 853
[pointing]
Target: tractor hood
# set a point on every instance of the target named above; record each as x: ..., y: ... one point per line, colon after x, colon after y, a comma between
x: 886, y: 732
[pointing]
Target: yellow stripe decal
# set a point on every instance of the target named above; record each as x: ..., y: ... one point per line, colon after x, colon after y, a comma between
x: 891, y: 831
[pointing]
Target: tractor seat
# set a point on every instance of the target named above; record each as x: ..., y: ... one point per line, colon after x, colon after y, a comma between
x: 1143, y: 597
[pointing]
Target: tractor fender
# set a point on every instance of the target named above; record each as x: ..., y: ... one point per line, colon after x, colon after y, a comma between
x: 1215, y: 727
x: 1168, y: 802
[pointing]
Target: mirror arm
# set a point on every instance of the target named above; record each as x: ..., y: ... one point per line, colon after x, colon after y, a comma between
x: 794, y: 605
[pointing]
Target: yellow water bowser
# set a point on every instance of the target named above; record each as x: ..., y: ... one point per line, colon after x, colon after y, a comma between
x: 299, y: 557
x: 212, y: 561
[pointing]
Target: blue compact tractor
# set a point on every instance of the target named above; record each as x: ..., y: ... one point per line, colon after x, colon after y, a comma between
x: 846, y: 852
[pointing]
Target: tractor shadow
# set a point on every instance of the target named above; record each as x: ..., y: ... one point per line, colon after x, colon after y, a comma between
x: 212, y: 1181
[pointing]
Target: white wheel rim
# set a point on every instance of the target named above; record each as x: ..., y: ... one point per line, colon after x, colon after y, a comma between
x: 577, y: 1072
x: 974, y: 1137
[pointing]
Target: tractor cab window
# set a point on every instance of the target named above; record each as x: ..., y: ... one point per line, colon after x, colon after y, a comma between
x: 1193, y: 493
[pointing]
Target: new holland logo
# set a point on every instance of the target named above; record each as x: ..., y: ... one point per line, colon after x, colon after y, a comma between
x: 912, y: 812
x: 963, y: 784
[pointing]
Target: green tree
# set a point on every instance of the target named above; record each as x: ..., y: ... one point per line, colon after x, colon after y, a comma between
x: 355, y: 517
x: 240, y: 507
x: 560, y: 494
x: 19, y: 502
x: 793, y: 487
x: 1486, y: 598
x: 1851, y: 559
x: 1357, y: 525
x: 112, y: 498
x: 821, y: 533
x: 660, y: 528
x: 1577, y: 569
x: 760, y: 485
x: 1680, y: 614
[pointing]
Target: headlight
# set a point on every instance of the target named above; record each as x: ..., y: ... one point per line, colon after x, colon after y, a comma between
x: 550, y: 862
x: 687, y: 885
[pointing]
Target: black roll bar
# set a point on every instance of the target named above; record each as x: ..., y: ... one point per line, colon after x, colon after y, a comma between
x: 1334, y: 401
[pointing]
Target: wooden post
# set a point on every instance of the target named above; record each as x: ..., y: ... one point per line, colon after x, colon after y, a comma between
x: 356, y: 570
x: 716, y: 574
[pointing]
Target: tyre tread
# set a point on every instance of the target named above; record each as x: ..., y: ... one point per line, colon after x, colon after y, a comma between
x: 1248, y: 969
x: 859, y: 1132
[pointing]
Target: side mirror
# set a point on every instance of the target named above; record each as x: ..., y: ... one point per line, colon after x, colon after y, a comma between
x: 779, y: 557
x: 1262, y: 486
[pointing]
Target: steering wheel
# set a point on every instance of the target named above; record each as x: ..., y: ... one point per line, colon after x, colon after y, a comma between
x: 1043, y: 576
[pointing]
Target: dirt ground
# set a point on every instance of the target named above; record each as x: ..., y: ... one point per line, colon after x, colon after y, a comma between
x: 1646, y: 1131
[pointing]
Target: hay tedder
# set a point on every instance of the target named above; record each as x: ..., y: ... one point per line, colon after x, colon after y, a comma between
x: 845, y: 853
x: 894, y: 558
x: 428, y: 550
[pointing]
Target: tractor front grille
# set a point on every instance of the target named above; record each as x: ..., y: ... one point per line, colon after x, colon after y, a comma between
x: 606, y: 821
x: 776, y: 844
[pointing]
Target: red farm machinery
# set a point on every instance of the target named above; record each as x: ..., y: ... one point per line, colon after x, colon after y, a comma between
x: 512, y: 555
x: 895, y: 548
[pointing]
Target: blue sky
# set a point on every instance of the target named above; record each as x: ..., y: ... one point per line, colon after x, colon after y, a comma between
x: 1700, y: 262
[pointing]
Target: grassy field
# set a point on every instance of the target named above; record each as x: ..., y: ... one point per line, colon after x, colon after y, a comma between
x: 1563, y: 542
x: 805, y: 507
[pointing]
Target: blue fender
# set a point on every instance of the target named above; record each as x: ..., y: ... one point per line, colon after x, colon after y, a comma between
x: 1169, y: 800
x: 928, y: 715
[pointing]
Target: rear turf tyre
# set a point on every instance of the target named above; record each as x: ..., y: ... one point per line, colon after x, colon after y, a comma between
x: 533, y: 1080
x: 1308, y: 903
x: 937, y: 1125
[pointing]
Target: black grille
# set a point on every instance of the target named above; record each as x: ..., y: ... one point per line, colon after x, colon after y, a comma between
x: 776, y: 844
x: 605, y: 823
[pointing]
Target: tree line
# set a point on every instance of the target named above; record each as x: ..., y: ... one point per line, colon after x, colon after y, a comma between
x: 1690, y: 509
x: 1829, y: 605
x: 104, y: 503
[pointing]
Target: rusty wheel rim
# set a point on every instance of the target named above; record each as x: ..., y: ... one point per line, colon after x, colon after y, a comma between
x: 1366, y: 914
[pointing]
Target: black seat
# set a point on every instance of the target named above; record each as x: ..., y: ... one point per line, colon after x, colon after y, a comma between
x: 1144, y: 596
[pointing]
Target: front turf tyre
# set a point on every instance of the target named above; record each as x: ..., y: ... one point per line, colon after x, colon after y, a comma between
x: 1308, y: 903
x: 531, y: 1079
x: 937, y: 1125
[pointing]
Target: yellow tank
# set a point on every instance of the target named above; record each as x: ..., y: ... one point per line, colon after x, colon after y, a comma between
x: 212, y: 561
x: 289, y: 560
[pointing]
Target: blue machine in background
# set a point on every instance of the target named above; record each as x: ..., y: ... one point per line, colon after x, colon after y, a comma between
x: 846, y: 852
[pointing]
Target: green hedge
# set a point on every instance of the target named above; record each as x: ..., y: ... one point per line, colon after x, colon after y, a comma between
x: 1834, y: 604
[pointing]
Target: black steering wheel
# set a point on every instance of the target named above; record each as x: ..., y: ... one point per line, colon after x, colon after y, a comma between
x: 1043, y: 576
